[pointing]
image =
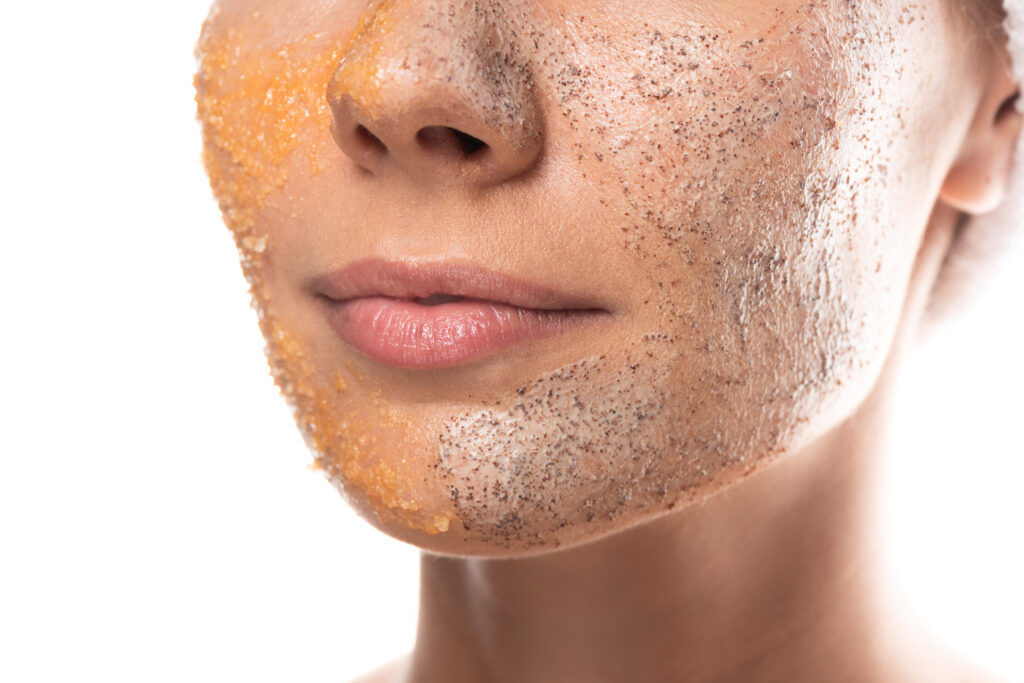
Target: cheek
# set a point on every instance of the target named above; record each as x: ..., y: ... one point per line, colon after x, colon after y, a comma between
x: 756, y: 195
x: 750, y: 184
x: 257, y: 107
x: 717, y: 169
x: 265, y: 121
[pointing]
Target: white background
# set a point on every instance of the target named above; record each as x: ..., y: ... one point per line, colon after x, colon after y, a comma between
x: 158, y: 521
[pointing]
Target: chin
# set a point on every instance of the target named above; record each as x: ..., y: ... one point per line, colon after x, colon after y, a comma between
x: 575, y: 455
x: 516, y: 531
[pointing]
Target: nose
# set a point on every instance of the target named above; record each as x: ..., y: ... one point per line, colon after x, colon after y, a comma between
x: 441, y: 97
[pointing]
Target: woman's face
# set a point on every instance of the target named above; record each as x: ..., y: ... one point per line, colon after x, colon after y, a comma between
x: 739, y: 187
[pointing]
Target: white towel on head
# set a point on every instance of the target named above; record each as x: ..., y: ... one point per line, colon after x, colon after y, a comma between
x: 1015, y: 30
x: 987, y: 239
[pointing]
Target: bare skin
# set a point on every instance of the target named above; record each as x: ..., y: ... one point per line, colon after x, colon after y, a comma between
x: 687, y: 490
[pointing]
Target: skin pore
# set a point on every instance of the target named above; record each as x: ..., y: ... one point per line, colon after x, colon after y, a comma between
x: 759, y: 195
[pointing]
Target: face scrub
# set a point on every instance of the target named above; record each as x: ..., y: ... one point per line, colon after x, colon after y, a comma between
x: 254, y: 112
x: 739, y: 165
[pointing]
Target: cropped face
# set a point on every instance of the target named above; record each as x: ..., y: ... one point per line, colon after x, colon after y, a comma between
x: 708, y: 211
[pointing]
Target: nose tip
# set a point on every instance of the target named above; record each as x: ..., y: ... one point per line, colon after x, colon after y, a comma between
x: 433, y: 143
x: 436, y: 99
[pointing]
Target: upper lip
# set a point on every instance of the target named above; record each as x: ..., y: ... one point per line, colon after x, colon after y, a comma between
x: 409, y: 280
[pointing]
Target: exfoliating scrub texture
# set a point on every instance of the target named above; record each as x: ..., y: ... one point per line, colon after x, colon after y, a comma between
x: 732, y: 181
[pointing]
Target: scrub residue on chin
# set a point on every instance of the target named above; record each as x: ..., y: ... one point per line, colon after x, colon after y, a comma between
x: 588, y: 443
x: 368, y: 449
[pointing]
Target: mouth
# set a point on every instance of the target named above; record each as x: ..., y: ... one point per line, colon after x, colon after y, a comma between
x: 438, y: 299
x: 441, y: 314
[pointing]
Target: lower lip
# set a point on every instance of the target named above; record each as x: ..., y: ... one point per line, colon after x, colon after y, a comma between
x: 404, y: 333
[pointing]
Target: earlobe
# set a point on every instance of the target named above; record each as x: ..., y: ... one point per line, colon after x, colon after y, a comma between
x: 978, y: 180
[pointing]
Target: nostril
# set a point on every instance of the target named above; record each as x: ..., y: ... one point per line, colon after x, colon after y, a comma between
x: 1009, y: 105
x: 369, y: 141
x: 447, y: 139
x: 468, y: 143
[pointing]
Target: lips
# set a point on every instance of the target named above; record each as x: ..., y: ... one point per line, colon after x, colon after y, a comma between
x: 439, y: 314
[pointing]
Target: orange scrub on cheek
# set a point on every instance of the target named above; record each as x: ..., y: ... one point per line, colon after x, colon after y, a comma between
x: 255, y: 108
x: 258, y: 108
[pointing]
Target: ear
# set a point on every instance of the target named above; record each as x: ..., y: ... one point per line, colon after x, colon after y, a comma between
x: 978, y: 179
